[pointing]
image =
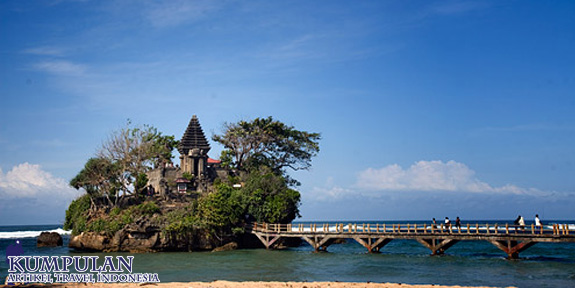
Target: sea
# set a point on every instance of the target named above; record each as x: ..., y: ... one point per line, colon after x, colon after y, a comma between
x: 468, y: 263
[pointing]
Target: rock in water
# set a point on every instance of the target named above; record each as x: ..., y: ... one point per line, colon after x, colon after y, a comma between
x: 228, y: 247
x: 49, y: 239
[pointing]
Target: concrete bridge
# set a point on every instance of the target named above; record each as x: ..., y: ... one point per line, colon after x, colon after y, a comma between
x: 509, y: 238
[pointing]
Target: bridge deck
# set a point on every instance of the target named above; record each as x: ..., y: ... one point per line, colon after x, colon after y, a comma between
x: 510, y: 239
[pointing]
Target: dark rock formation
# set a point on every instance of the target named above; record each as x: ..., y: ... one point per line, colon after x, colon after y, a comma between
x: 144, y: 235
x: 227, y: 247
x: 140, y: 241
x: 90, y: 241
x: 49, y: 239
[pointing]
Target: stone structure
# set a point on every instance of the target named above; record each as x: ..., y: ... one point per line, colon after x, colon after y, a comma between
x: 194, y: 149
x: 196, y: 171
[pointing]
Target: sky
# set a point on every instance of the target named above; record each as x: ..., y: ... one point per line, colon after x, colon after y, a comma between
x: 427, y: 109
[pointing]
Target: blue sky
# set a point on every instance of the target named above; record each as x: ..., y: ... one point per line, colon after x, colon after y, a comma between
x: 426, y: 108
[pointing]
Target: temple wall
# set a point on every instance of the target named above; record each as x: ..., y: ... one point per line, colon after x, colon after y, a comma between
x: 164, y: 180
x: 194, y: 165
x: 154, y: 178
x: 169, y: 175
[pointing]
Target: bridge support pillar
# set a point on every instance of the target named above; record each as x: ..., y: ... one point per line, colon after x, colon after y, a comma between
x: 268, y: 240
x: 436, y: 247
x: 512, y: 248
x: 372, y: 244
x: 319, y: 243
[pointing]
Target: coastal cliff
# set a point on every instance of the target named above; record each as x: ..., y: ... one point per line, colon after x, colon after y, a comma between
x: 152, y: 240
x: 140, y: 240
x: 152, y: 227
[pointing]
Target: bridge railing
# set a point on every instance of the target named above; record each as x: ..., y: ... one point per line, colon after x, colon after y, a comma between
x: 412, y: 228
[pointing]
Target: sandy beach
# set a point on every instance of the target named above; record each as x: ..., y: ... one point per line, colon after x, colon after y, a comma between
x: 229, y: 284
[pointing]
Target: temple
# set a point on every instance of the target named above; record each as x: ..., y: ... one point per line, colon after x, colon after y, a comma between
x: 194, y: 149
x: 196, y: 171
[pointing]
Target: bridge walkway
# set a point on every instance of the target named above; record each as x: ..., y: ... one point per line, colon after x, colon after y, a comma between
x: 510, y: 239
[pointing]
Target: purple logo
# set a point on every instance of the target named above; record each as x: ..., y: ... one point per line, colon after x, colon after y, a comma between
x: 14, y: 250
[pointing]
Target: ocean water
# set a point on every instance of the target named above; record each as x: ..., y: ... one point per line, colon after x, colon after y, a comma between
x: 473, y: 263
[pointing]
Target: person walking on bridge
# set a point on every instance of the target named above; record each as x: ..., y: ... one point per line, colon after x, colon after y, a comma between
x: 522, y: 223
x: 458, y: 223
x: 516, y: 223
x: 538, y: 224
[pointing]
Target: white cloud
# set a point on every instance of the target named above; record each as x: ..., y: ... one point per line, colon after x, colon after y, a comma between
x: 30, y: 181
x: 60, y: 67
x: 329, y: 191
x: 44, y: 51
x: 174, y: 13
x: 432, y: 176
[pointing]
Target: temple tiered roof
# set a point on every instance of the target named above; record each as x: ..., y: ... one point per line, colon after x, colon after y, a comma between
x: 193, y: 138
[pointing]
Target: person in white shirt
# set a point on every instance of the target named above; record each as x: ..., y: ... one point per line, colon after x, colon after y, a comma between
x: 522, y: 222
x: 537, y: 221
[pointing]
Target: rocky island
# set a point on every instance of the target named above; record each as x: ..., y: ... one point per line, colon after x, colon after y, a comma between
x: 137, y: 200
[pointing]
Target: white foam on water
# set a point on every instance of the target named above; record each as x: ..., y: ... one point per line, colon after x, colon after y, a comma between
x: 30, y: 234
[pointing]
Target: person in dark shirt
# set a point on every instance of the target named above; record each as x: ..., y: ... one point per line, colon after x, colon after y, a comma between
x: 458, y: 223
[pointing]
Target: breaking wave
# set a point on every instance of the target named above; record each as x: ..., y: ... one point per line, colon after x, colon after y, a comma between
x: 30, y: 234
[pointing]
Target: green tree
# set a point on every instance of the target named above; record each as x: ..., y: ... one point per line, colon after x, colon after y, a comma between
x: 267, y: 198
x: 263, y: 149
x: 97, y: 178
x: 267, y: 142
x: 76, y: 214
x: 135, y: 151
x: 218, y: 209
x: 122, y: 162
x: 162, y: 146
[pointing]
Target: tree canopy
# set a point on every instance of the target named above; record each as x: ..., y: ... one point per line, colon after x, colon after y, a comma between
x: 99, y: 177
x: 122, y: 161
x: 267, y: 142
x: 263, y: 149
